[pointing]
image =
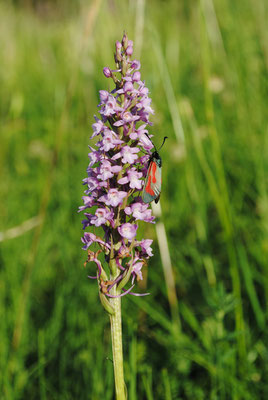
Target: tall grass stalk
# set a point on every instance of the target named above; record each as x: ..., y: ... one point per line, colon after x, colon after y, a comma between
x: 223, y: 196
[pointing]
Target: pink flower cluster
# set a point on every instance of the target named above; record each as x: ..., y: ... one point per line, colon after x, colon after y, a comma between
x: 116, y: 171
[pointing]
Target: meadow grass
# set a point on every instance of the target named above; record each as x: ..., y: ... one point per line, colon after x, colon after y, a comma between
x: 205, y: 63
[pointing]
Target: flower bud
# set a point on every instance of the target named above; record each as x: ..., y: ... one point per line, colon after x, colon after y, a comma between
x: 118, y: 56
x: 107, y: 72
x: 118, y: 45
x: 125, y: 41
x: 129, y: 50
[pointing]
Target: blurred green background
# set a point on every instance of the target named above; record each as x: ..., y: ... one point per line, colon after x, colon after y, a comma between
x: 201, y: 335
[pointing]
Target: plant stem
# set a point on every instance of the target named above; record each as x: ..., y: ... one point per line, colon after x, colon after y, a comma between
x: 116, y: 334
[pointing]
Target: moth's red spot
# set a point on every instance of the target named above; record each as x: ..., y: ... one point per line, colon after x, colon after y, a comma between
x: 148, y: 188
x: 153, y: 172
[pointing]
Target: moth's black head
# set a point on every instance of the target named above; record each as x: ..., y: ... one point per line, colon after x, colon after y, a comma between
x: 156, y: 157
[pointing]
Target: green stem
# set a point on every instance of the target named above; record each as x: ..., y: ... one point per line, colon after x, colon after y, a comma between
x: 116, y: 334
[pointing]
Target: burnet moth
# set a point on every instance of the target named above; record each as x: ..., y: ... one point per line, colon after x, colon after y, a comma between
x: 152, y: 185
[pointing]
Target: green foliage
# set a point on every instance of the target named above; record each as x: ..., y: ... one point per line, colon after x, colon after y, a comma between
x: 205, y: 64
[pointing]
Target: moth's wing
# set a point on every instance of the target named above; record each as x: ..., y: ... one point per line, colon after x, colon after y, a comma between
x: 152, y: 184
x: 156, y: 183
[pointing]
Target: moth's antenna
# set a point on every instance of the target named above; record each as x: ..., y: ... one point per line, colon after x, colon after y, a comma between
x: 163, y: 143
x: 150, y: 140
x: 153, y: 142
